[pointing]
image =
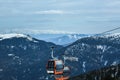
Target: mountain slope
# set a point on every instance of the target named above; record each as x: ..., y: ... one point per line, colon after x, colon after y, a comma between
x: 92, y: 53
x: 23, y: 57
x: 107, y: 73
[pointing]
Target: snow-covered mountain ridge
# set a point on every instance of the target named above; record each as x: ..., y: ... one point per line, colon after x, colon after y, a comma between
x: 93, y: 52
x: 23, y: 57
x: 15, y: 35
x: 66, y: 39
x: 12, y: 35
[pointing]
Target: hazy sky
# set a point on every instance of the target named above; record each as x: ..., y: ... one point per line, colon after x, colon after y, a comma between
x: 59, y: 16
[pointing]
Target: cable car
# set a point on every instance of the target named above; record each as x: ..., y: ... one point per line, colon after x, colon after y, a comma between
x: 66, y: 72
x: 55, y: 67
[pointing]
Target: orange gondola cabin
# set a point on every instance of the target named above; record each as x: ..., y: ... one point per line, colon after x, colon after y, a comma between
x: 55, y: 67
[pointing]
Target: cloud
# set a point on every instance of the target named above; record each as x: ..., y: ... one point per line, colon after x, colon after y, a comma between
x: 35, y: 31
x: 50, y: 12
x: 82, y: 11
x: 47, y: 12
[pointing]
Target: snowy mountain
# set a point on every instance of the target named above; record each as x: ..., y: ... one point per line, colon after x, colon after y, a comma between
x: 23, y: 57
x: 14, y: 35
x: 90, y: 53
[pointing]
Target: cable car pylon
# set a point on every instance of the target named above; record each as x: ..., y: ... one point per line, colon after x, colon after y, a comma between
x: 52, y: 53
x: 57, y: 68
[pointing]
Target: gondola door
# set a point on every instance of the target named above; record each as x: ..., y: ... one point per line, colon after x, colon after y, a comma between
x: 59, y: 66
x: 50, y: 67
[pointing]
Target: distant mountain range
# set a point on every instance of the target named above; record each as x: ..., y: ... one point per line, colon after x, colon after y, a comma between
x: 60, y: 39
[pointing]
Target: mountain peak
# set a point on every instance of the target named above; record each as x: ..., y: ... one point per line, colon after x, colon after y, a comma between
x: 11, y: 35
x: 14, y: 35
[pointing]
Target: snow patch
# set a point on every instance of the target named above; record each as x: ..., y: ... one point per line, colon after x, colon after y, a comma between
x: 73, y: 36
x: 46, y: 78
x: 29, y: 38
x: 10, y: 55
x: 99, y: 47
x: 112, y: 75
x: 101, y: 59
x: 84, y: 66
x: 105, y: 63
x: 1, y: 70
x: 70, y: 36
x: 102, y: 47
x: 83, y: 44
x: 15, y: 57
x: 71, y: 58
x: 12, y: 47
x: 114, y: 63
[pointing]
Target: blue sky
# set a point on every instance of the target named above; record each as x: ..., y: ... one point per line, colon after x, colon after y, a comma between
x: 59, y: 16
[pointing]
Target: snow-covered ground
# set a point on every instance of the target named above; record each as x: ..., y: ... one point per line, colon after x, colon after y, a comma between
x: 16, y: 35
